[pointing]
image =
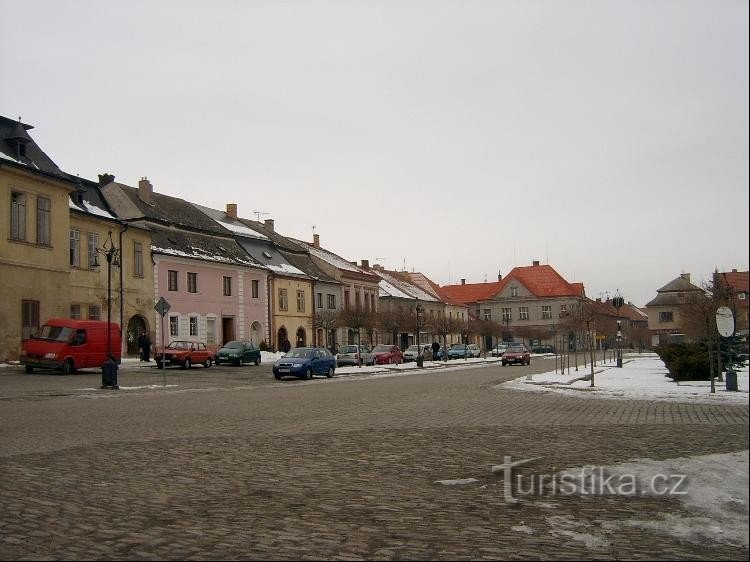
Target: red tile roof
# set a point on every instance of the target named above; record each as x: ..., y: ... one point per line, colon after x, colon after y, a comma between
x: 739, y: 281
x: 541, y: 280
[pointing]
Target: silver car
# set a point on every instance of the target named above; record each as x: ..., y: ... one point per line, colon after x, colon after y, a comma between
x: 413, y: 350
x: 354, y: 355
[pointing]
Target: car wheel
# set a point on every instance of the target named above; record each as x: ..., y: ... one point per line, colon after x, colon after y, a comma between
x: 257, y: 361
x: 505, y: 363
x: 187, y: 363
x: 68, y: 367
x: 277, y: 377
x: 29, y: 369
x: 208, y: 363
x: 308, y: 374
x: 330, y: 372
x: 241, y: 362
x: 158, y: 364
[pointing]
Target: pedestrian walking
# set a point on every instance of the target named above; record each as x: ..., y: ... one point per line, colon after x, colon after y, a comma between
x: 435, y: 349
x: 146, y: 347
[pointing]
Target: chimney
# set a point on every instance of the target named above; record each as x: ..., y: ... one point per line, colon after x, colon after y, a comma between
x: 145, y: 190
x: 499, y: 275
x: 535, y: 263
x: 685, y: 276
x: 232, y: 210
x: 269, y: 224
x: 365, y: 264
x: 105, y: 179
x: 316, y: 240
x: 463, y: 281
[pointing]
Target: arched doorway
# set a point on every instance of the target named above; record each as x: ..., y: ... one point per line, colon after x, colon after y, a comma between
x: 256, y: 333
x: 136, y: 325
x: 301, y: 337
x: 281, y: 338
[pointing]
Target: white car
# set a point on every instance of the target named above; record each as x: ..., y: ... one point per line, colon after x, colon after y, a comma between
x: 413, y: 350
x: 498, y: 350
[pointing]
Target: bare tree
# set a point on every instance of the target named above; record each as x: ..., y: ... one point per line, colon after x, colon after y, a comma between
x: 328, y: 321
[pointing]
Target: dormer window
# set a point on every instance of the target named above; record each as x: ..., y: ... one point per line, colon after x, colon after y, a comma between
x: 21, y: 149
x: 267, y: 255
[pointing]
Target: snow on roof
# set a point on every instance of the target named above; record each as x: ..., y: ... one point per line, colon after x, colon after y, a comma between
x: 333, y: 259
x: 386, y: 289
x: 400, y: 288
x: 285, y: 269
x: 198, y: 253
x: 242, y: 230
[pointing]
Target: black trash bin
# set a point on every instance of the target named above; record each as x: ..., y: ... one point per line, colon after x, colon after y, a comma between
x: 731, y: 378
x: 109, y: 373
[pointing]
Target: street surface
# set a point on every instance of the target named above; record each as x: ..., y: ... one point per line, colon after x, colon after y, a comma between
x: 227, y: 463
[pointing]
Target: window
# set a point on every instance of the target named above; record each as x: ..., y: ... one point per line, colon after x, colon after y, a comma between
x: 546, y: 312
x: 300, y: 301
x: 75, y: 311
x: 357, y: 300
x: 488, y: 314
x: 192, y: 281
x: 346, y: 300
x: 741, y: 296
x: 563, y: 309
x: 137, y: 259
x: 93, y: 245
x: 666, y: 317
x: 174, y: 326
x: 255, y: 288
x: 514, y: 291
x: 319, y: 300
x: 523, y: 313
x: 193, y: 325
x: 29, y: 319
x: 331, y: 301
x: 95, y: 312
x: 17, y: 216
x: 372, y: 303
x: 172, y: 279
x: 43, y: 207
x: 211, y: 331
x: 227, y: 286
x: 283, y: 302
x: 507, y: 314
x: 75, y: 248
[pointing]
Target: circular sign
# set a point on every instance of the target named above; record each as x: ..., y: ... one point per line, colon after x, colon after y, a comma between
x: 725, y: 321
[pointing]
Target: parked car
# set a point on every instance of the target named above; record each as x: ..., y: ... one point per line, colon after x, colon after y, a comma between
x: 185, y: 354
x: 458, y: 351
x: 238, y: 352
x: 354, y: 355
x: 541, y: 349
x: 473, y: 350
x: 411, y: 352
x: 305, y: 362
x: 67, y: 345
x: 516, y: 354
x: 498, y: 350
x: 387, y: 354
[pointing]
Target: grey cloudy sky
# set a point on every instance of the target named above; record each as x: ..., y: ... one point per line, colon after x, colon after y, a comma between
x: 606, y: 138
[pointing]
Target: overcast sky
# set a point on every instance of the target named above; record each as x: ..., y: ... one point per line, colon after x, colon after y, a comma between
x: 606, y: 138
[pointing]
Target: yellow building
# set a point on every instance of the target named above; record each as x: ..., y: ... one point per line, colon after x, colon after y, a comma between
x: 34, y: 271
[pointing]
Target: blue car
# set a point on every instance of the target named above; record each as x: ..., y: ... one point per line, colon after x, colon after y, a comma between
x: 304, y: 362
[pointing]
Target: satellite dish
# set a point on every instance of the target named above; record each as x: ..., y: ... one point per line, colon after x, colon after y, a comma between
x: 725, y: 321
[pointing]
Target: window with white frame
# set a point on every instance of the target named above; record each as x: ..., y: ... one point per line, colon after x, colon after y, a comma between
x: 507, y: 314
x: 546, y: 312
x: 75, y: 311
x: 17, y: 215
x: 523, y: 313
x: 667, y: 316
x: 193, y: 325
x: 227, y: 286
x: 75, y: 248
x: 331, y: 301
x: 488, y: 314
x: 563, y: 309
x: 283, y: 300
x: 43, y: 223
x: 95, y: 313
x: 192, y: 282
x: 171, y: 280
x: 174, y: 326
x: 210, y: 331
x: 514, y: 291
x: 137, y: 259
x: 300, y: 301
x: 93, y: 245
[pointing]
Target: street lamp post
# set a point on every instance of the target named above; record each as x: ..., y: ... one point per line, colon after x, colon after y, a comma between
x: 618, y: 302
x: 418, y: 311
x: 109, y: 369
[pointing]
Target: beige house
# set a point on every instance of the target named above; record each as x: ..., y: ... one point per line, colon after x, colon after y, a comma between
x: 34, y: 212
x: 666, y: 311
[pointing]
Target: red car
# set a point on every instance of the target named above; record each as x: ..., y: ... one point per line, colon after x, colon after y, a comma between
x: 185, y: 354
x: 516, y: 353
x: 387, y: 354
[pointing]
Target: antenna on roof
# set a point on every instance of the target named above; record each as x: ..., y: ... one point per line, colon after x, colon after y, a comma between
x: 313, y: 227
x: 258, y: 214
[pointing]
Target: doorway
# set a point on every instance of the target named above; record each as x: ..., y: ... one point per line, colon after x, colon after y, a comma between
x: 227, y: 330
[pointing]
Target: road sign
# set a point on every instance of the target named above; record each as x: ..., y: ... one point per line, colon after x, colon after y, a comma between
x: 162, y: 306
x: 725, y: 321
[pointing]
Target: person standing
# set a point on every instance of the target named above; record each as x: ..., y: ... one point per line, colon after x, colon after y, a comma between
x: 435, y: 349
x: 141, y: 340
x: 146, y: 347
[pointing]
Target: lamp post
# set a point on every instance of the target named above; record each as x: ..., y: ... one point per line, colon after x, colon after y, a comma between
x: 618, y: 302
x: 418, y: 311
x: 112, y: 255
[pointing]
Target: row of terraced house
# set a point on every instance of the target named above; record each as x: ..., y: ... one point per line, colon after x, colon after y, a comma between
x: 103, y: 249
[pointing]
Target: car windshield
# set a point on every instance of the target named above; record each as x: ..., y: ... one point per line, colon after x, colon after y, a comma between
x: 234, y: 345
x: 412, y: 348
x: 55, y: 333
x: 179, y: 345
x: 517, y: 348
x: 382, y: 348
x: 457, y: 346
x: 299, y: 353
x: 349, y: 349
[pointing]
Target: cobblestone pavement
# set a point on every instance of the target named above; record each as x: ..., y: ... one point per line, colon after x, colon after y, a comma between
x: 336, y: 469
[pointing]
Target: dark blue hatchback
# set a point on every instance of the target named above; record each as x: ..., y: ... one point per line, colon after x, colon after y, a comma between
x: 304, y: 362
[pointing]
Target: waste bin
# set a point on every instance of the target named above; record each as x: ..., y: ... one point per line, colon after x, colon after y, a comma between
x: 731, y: 378
x: 109, y: 373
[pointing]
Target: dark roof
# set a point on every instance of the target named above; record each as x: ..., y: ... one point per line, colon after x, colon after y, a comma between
x: 88, y: 199
x: 14, y: 137
x: 678, y: 285
x: 194, y: 245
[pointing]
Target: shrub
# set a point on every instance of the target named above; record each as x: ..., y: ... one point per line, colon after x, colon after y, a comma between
x: 686, y: 361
